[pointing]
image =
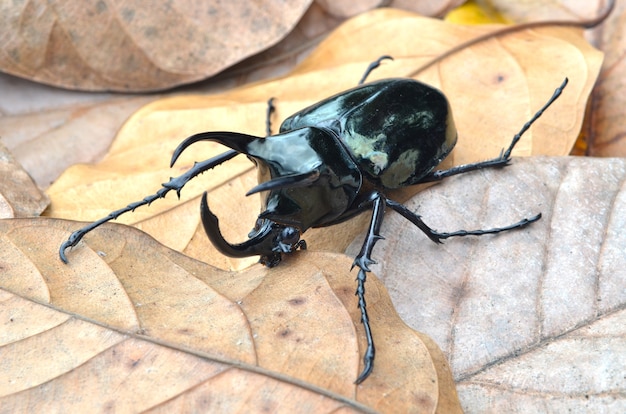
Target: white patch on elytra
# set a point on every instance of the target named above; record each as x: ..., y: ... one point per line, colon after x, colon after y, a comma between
x: 365, y: 148
x: 401, y: 169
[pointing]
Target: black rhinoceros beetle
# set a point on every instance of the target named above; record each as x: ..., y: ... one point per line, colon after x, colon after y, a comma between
x: 332, y: 161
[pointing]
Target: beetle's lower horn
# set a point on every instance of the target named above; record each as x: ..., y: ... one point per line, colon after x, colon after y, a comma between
x: 259, y: 245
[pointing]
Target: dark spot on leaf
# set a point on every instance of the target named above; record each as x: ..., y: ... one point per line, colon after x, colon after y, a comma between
x: 297, y: 301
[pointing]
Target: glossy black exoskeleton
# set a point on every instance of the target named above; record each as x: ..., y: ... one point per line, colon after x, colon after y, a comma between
x: 332, y: 161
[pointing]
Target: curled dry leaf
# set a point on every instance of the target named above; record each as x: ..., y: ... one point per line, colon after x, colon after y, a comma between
x: 19, y: 195
x: 530, y: 319
x: 494, y: 87
x: 141, y: 326
x: 138, y: 45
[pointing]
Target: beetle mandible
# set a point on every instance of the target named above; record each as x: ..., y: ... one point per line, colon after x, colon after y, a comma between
x: 332, y: 161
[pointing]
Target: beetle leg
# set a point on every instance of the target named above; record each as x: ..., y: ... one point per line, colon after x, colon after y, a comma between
x: 437, y: 236
x: 173, y: 184
x: 505, y: 156
x: 362, y: 261
x: 373, y: 66
x: 268, y: 115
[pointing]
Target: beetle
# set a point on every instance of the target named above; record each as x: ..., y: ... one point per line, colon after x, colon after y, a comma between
x: 332, y: 161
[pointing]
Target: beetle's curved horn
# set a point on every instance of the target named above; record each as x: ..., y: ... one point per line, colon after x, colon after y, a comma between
x: 238, y: 142
x: 288, y: 181
x: 259, y: 245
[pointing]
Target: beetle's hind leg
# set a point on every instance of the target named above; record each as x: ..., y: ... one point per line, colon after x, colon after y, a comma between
x: 505, y: 156
x: 173, y: 184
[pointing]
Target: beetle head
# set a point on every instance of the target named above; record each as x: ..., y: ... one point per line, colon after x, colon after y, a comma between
x: 307, y: 179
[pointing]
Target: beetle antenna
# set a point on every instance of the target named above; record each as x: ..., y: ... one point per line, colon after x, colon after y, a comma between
x: 173, y: 184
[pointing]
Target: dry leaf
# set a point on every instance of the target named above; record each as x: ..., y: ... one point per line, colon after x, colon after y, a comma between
x: 137, y: 45
x: 537, y: 10
x: 141, y: 327
x: 73, y: 131
x: 19, y: 196
x: 531, y: 318
x: 527, y: 319
x: 606, y: 132
x: 494, y: 88
x: 605, y: 125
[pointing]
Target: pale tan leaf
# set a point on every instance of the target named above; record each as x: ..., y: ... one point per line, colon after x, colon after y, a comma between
x: 19, y: 195
x: 141, y: 326
x: 605, y: 125
x: 524, y: 317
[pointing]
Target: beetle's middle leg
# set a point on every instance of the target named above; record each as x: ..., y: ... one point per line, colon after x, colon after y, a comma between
x: 437, y: 237
x: 505, y: 156
x: 362, y: 261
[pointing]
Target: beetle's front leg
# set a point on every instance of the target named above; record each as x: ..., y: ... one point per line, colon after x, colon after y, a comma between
x: 175, y: 184
x: 362, y: 261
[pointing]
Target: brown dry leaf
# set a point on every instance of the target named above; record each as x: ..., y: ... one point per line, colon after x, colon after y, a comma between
x: 531, y: 320
x: 606, y: 131
x: 19, y: 195
x: 142, y: 327
x: 137, y: 45
x: 494, y: 88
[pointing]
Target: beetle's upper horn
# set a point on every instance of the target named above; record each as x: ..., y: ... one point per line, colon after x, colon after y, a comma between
x: 238, y: 142
x: 259, y: 245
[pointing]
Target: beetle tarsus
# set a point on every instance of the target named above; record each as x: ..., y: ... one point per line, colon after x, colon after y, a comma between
x: 370, y: 351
